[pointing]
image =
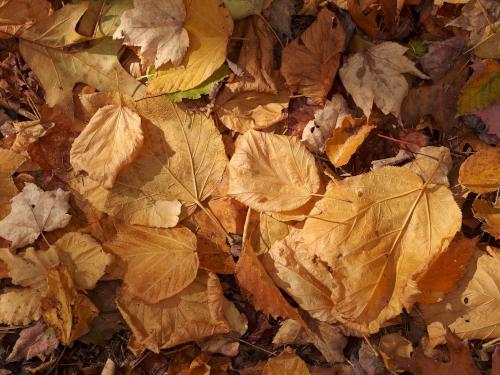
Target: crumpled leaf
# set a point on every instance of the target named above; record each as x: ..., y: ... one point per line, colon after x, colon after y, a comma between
x: 394, y: 345
x: 310, y: 63
x: 196, y: 312
x: 209, y: 27
x: 18, y: 15
x: 160, y: 262
x: 286, y: 363
x: 28, y: 132
x: 35, y: 341
x: 182, y: 158
x: 19, y: 306
x: 375, y: 76
x: 428, y: 159
x: 346, y: 138
x: 156, y: 27
x: 70, y: 313
x: 472, y: 310
x: 345, y: 231
x: 33, y: 212
x: 240, y: 9
x: 9, y: 162
x: 489, y: 214
x: 480, y: 172
x: 271, y: 172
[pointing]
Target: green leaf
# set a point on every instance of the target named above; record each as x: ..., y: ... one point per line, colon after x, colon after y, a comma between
x: 240, y: 9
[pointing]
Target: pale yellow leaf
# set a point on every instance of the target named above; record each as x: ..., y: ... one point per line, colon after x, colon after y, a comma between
x: 19, y: 306
x: 271, y: 172
x: 9, y: 162
x: 160, y: 262
x: 375, y: 231
x: 270, y: 230
x: 480, y: 173
x: 209, y: 26
x: 286, y: 363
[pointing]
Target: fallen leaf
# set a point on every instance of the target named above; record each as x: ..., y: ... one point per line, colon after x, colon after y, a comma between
x: 488, y: 47
x: 279, y: 15
x: 441, y: 56
x: 18, y: 15
x: 480, y: 173
x: 10, y: 161
x: 401, y: 156
x: 109, y: 142
x: 271, y: 172
x: 240, y: 9
x: 489, y: 116
x: 19, y: 306
x: 364, y: 15
x: 286, y: 363
x: 102, y: 17
x: 346, y: 138
x: 471, y: 311
x: 28, y: 132
x: 345, y: 231
x: 270, y: 231
x: 427, y: 160
x: 310, y: 63
x: 191, y: 315
x: 33, y: 212
x: 394, y: 345
x: 70, y: 313
x: 209, y: 27
x: 375, y: 76
x: 35, y: 341
x: 160, y: 262
x: 156, y: 27
x: 489, y: 214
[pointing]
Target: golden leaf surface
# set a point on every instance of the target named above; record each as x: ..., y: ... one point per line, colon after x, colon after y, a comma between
x: 489, y: 214
x: 271, y: 172
x: 9, y: 162
x: 376, y: 231
x: 193, y: 314
x: 209, y: 27
x: 182, y: 158
x: 19, y: 306
x: 480, y: 173
x: 160, y: 262
x: 286, y: 363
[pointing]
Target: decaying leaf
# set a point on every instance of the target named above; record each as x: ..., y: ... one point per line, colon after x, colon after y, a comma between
x: 271, y: 172
x: 9, y: 162
x: 160, y: 262
x: 490, y: 214
x: 33, y: 212
x: 310, y: 63
x: 428, y: 159
x: 35, y: 341
x: 19, y: 306
x: 102, y: 17
x: 286, y: 363
x: 156, y: 27
x: 393, y: 345
x: 375, y: 76
x: 480, y: 173
x: 18, y: 15
x: 346, y: 231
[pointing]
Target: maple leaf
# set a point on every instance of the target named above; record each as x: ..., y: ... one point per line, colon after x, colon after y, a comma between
x: 160, y: 262
x: 156, y: 27
x: 489, y: 214
x: 34, y: 341
x: 18, y: 15
x: 346, y: 231
x: 109, y: 142
x: 33, y: 212
x: 271, y: 172
x: 286, y: 363
x: 374, y: 76
x: 310, y: 63
x: 19, y: 306
x: 480, y: 173
x: 9, y: 162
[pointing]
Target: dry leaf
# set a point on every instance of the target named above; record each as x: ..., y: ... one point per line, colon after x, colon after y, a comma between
x: 9, y: 162
x: 346, y: 138
x: 472, y: 310
x: 209, y: 26
x: 346, y: 231
x: 428, y: 159
x: 375, y: 76
x: 271, y: 172
x: 480, y: 173
x: 33, y: 212
x: 286, y: 363
x: 279, y: 15
x: 109, y: 142
x: 19, y: 306
x: 442, y: 56
x: 270, y: 230
x: 310, y: 63
x: 160, y: 262
x: 364, y: 14
x: 193, y: 314
x: 70, y: 313
x: 28, y: 132
x: 158, y: 28
x: 35, y: 341
x: 393, y: 345
x: 18, y: 15
x: 490, y: 215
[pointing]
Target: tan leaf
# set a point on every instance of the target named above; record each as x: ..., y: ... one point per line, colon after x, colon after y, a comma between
x: 346, y: 138
x: 346, y: 231
x: 480, y: 173
x: 191, y: 315
x: 9, y: 162
x: 64, y: 309
x: 34, y: 341
x: 286, y: 363
x: 490, y: 215
x: 391, y: 346
x: 428, y: 159
x: 301, y: 275
x: 375, y: 76
x: 84, y: 258
x: 472, y: 310
x: 182, y: 157
x: 271, y: 172
x: 19, y: 306
x: 156, y: 27
x: 209, y: 26
x: 160, y: 262
x: 27, y: 132
x: 34, y: 211
x: 310, y: 63
x: 109, y: 142
x: 445, y: 271
x: 270, y: 230
x: 18, y: 15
